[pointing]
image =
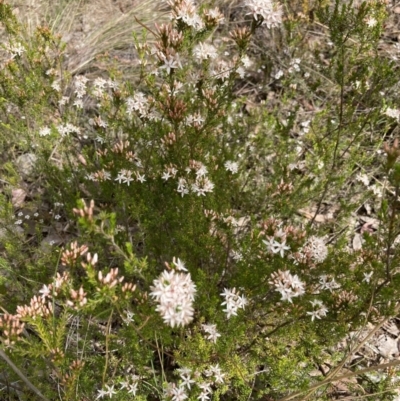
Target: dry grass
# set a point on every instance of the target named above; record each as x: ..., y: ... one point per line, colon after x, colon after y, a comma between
x: 91, y: 28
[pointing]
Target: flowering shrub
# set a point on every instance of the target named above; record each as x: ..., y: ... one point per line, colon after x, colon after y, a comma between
x: 183, y: 240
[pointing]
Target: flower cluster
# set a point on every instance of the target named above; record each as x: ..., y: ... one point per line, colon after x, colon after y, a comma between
x: 319, y: 310
x: 186, y: 12
x: 36, y: 307
x: 317, y: 249
x: 231, y: 166
x: 213, y: 376
x: 274, y: 246
x: 267, y: 11
x: 174, y: 293
x: 233, y: 301
x: 15, y: 49
x: 211, y: 331
x: 69, y: 256
x: 204, y: 51
x: 138, y: 103
x: 78, y: 298
x: 199, y: 185
x: 288, y: 285
x: 393, y: 113
x: 314, y: 251
x: 11, y: 327
x: 328, y: 283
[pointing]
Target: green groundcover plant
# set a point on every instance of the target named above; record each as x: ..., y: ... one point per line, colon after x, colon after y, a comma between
x: 177, y: 244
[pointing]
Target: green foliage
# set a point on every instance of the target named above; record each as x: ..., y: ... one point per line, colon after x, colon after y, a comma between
x: 176, y: 242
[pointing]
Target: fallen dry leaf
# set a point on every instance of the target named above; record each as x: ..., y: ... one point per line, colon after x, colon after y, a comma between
x: 357, y: 242
x: 18, y: 196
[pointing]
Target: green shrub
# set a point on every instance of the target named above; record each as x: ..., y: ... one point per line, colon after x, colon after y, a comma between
x: 177, y: 242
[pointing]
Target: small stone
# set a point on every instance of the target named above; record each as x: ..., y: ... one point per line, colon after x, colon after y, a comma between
x: 26, y: 164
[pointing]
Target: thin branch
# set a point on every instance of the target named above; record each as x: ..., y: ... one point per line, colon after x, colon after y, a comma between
x: 4, y: 356
x: 146, y: 27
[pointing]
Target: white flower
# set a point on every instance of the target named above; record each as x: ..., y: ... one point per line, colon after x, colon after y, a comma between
x: 363, y: 178
x: 236, y: 255
x: 178, y: 394
x: 45, y: 291
x: 123, y: 384
x: 184, y: 371
x: 112, y: 84
x: 394, y: 113
x: 195, y: 119
x: 203, y: 396
x: 316, y: 302
x: 65, y: 129
x: 171, y: 62
x: 138, y: 103
x: 44, y: 131
x: 270, y: 244
x: 313, y: 314
x: 247, y: 63
x: 132, y: 388
x: 99, y: 83
x: 101, y: 394
x: 129, y: 317
x: 270, y: 13
x: 276, y: 247
x: 140, y: 178
x: 166, y: 176
x: 328, y: 285
x: 17, y: 49
x: 186, y: 381
x: 377, y: 190
x: 288, y: 285
x: 315, y: 248
x: 203, y: 51
x: 280, y: 248
x: 110, y: 391
x: 202, y: 186
x: 182, y: 187
x: 201, y: 171
x: 56, y: 86
x: 211, y: 330
x: 78, y: 103
x: 124, y: 176
x: 190, y: 17
x: 120, y: 177
x: 179, y: 264
x: 318, y: 313
x: 174, y: 293
x: 371, y: 22
x: 206, y: 387
x: 218, y: 375
x: 231, y: 166
x: 233, y: 301
x: 367, y: 277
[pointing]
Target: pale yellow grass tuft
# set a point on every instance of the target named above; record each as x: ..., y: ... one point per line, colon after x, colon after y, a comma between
x: 91, y: 27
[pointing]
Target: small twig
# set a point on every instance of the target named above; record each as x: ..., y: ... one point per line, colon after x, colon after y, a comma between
x: 145, y: 27
x: 108, y: 329
x: 360, y: 397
